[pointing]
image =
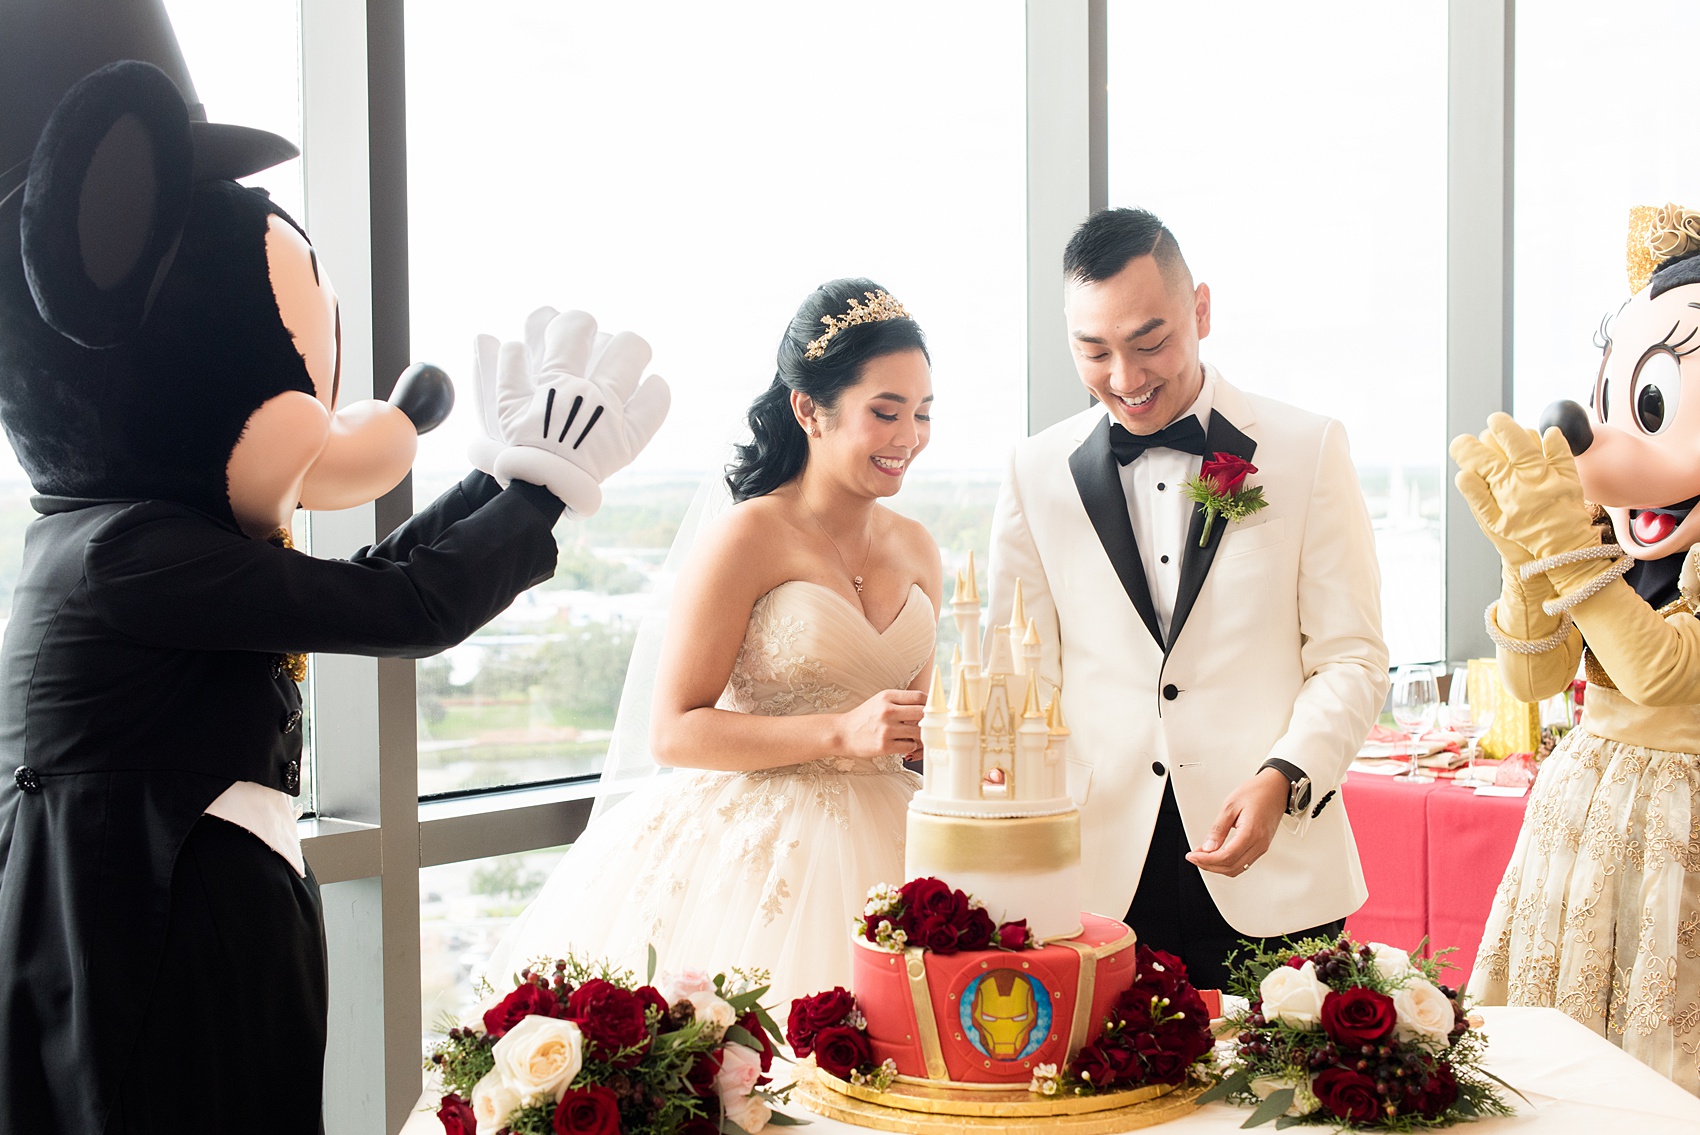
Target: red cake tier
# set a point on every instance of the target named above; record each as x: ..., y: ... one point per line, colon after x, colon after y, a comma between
x: 990, y: 1017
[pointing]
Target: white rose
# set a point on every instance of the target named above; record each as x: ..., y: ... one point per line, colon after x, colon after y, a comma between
x: 1424, y: 1012
x: 1390, y: 962
x: 709, y: 1007
x: 539, y: 1057
x: 492, y: 1100
x: 1304, y: 1100
x: 1293, y: 995
x: 749, y: 1112
x: 675, y: 987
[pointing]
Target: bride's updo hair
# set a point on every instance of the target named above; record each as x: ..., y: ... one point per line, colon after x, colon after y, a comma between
x: 778, y: 448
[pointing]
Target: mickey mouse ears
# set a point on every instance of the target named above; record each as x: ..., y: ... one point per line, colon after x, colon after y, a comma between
x: 106, y: 200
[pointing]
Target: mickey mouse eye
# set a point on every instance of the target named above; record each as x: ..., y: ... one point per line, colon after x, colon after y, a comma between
x: 1657, y: 390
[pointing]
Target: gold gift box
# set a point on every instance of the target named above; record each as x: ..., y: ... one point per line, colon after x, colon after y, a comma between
x: 1516, y: 724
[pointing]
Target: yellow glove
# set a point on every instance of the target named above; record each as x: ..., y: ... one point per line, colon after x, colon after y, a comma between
x: 1525, y: 492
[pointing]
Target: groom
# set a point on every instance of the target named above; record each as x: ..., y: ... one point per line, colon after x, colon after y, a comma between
x: 1217, y: 685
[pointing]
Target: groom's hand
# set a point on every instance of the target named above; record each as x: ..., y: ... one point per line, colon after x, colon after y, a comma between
x: 1244, y: 827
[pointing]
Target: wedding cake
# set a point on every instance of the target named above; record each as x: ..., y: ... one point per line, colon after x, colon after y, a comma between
x: 993, y: 820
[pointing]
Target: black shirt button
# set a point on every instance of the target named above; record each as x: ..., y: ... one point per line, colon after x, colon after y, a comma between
x: 291, y: 721
x: 1165, y: 559
x: 1157, y: 768
x: 26, y: 779
x: 292, y: 777
x: 1171, y: 692
x: 277, y: 666
x: 1161, y: 486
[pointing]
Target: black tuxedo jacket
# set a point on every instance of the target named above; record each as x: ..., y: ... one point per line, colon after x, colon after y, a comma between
x: 140, y: 676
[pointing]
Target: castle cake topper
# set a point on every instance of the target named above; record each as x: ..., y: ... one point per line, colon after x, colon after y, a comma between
x: 995, y: 746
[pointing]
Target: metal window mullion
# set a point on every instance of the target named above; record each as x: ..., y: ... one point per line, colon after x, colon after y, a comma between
x: 1067, y: 180
x: 1481, y: 49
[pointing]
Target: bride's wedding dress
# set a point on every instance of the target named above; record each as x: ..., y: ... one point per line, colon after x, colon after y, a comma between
x: 749, y: 869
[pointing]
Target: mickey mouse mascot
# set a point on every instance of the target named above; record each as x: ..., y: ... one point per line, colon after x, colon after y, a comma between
x: 169, y: 379
x: 1599, y: 910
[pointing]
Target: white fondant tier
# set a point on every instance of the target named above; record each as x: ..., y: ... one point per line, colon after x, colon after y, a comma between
x: 1020, y: 867
x: 991, y: 807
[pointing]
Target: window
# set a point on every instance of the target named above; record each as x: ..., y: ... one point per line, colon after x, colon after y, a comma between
x: 1598, y: 119
x: 692, y: 179
x: 1300, y: 161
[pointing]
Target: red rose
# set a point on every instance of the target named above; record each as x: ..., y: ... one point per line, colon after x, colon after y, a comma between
x: 1160, y: 974
x: 650, y: 996
x: 840, y: 1051
x: 752, y: 1024
x: 1358, y: 1016
x: 976, y: 930
x: 1227, y: 471
x: 702, y: 1074
x: 1133, y: 1008
x: 610, y: 1018
x: 809, y: 1015
x: 926, y: 896
x: 1104, y: 1065
x: 1349, y: 1095
x: 1163, y: 1064
x: 697, y: 1125
x: 1432, y: 1096
x: 456, y: 1116
x: 871, y: 926
x: 528, y: 1000
x: 934, y: 933
x: 1013, y: 935
x: 588, y: 1111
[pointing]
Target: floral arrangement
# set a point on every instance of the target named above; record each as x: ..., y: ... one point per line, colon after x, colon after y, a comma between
x: 1220, y: 488
x: 928, y: 913
x: 581, y: 1049
x: 1362, y: 1035
x: 1157, y: 1032
x: 830, y: 1026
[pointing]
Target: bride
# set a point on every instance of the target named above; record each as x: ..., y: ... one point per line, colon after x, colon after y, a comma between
x: 789, y: 688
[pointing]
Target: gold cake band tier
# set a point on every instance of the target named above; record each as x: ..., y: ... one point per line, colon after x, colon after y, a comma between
x: 922, y: 1109
x: 1027, y: 845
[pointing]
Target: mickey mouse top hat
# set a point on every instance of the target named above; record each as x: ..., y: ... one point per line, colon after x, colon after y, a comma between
x: 46, y: 46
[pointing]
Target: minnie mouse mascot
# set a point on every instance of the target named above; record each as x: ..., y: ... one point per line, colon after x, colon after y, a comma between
x: 1599, y: 910
x: 169, y: 378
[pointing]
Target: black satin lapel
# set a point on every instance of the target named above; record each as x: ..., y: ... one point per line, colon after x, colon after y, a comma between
x: 1097, y: 476
x: 1195, y: 562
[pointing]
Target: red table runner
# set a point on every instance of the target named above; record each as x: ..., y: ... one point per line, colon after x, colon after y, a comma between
x: 1432, y: 855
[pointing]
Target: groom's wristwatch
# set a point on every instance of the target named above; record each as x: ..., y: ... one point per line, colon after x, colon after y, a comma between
x: 1298, y: 784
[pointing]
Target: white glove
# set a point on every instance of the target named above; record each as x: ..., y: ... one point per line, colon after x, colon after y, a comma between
x: 546, y: 425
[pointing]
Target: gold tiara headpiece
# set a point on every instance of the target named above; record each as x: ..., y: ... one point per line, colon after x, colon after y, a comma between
x: 879, y: 308
x: 1658, y: 233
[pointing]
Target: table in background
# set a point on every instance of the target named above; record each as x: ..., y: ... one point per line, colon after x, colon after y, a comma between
x: 1432, y: 855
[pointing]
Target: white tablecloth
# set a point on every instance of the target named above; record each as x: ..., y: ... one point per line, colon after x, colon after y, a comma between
x: 1577, y: 1082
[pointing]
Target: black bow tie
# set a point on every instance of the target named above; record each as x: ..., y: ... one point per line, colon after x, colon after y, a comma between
x: 1186, y: 435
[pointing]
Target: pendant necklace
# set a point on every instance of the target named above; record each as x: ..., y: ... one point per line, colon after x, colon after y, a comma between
x: 855, y: 580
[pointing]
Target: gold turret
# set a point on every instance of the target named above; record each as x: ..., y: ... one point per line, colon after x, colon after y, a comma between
x: 1032, y: 709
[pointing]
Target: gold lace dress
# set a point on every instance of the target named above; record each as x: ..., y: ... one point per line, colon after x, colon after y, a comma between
x: 756, y: 869
x: 1598, y: 913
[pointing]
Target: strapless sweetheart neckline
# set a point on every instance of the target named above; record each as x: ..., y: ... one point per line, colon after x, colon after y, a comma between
x: 861, y: 615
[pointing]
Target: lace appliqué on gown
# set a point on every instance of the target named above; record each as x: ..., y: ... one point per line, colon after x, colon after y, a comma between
x: 758, y: 869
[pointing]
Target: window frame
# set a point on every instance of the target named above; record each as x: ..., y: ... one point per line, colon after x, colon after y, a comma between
x: 372, y: 835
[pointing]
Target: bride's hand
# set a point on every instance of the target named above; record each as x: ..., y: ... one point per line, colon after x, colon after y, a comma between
x: 887, y: 723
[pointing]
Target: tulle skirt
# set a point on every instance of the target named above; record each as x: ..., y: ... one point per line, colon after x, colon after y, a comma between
x: 719, y: 870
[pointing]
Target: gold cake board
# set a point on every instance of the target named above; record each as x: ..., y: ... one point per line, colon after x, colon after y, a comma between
x: 915, y: 1109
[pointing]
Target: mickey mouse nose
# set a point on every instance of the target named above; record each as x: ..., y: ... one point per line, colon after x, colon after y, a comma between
x: 425, y: 394
x: 1572, y: 422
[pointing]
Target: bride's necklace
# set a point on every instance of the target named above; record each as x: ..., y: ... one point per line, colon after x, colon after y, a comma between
x: 855, y: 579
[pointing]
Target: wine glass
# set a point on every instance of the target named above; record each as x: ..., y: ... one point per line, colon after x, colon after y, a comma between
x: 1416, y: 701
x: 1472, y: 719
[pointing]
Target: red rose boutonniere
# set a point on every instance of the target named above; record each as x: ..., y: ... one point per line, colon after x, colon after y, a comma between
x: 1220, y: 488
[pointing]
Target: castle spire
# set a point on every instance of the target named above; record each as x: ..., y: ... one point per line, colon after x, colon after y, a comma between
x: 960, y: 703
x: 968, y: 573
x: 1031, y: 710
x: 935, y: 695
x: 1017, y: 611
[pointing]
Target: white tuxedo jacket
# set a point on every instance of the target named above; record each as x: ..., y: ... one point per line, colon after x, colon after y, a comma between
x: 1274, y: 650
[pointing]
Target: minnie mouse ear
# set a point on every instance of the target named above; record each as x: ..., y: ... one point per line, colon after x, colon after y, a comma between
x: 106, y: 200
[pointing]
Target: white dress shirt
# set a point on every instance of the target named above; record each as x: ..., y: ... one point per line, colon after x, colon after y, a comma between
x: 1161, y: 512
x: 265, y: 812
